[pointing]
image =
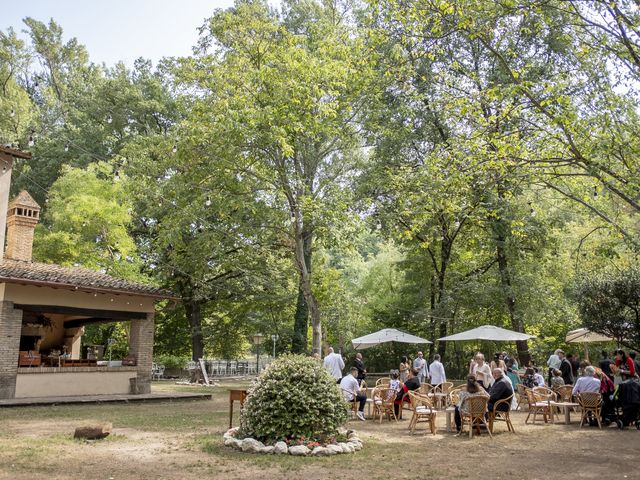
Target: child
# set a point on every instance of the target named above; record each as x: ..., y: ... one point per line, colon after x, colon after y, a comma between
x: 394, y: 384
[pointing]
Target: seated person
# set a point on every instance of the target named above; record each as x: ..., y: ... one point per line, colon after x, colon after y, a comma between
x: 606, y: 390
x: 394, y: 384
x: 412, y: 383
x: 500, y: 390
x: 587, y: 383
x: 556, y: 379
x: 351, y: 391
x: 538, y: 377
x: 473, y: 390
x: 529, y: 380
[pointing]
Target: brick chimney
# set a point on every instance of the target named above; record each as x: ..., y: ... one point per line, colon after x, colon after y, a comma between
x: 22, y: 217
x: 7, y: 156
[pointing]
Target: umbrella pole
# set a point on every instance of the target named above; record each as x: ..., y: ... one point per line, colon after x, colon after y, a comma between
x: 586, y: 351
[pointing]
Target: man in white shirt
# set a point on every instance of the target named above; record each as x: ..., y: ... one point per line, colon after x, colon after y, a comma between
x: 436, y: 371
x: 351, y: 391
x: 334, y: 363
x: 420, y: 364
x: 553, y: 363
x: 587, y: 383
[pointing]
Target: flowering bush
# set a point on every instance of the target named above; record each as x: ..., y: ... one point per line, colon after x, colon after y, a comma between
x: 294, y: 399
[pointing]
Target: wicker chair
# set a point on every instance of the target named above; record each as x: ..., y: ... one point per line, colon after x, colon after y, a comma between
x: 383, y: 399
x: 382, y: 382
x: 540, y: 403
x: 425, y: 389
x: 565, y: 393
x: 475, y: 417
x: 591, y: 403
x: 522, y: 395
x: 498, y: 415
x: 422, y: 411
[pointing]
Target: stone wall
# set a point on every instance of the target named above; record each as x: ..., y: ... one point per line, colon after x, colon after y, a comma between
x: 10, y: 328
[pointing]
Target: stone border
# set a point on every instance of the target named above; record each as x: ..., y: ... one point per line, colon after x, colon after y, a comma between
x: 251, y: 445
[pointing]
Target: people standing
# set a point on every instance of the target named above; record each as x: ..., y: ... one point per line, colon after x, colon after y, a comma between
x: 420, y: 364
x: 481, y: 371
x: 625, y: 364
x: 362, y: 371
x: 436, y: 371
x: 553, y: 363
x: 498, y: 362
x: 636, y: 363
x: 605, y: 365
x: 566, y: 368
x: 334, y: 363
x: 403, y: 370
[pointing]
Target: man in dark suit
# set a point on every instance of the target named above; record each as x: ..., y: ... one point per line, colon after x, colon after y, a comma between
x: 566, y: 368
x: 500, y: 390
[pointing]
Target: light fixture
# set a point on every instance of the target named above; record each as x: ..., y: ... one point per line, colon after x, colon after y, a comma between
x: 32, y: 141
x: 66, y: 147
x: 13, y: 112
x: 175, y: 148
x: 207, y: 202
x: 595, y: 192
x: 109, y: 119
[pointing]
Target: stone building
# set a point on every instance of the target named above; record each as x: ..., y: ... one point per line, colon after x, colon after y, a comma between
x: 44, y: 309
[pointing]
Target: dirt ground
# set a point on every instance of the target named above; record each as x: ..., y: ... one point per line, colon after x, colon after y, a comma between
x: 183, y: 440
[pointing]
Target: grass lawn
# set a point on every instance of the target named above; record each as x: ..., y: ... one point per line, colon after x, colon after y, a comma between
x: 183, y: 440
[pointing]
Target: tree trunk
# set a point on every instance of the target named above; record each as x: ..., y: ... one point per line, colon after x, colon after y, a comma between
x: 510, y: 299
x: 303, y: 250
x: 300, y: 324
x: 193, y: 310
x: 299, y: 342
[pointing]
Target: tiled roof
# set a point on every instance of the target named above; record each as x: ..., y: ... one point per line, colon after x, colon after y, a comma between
x: 74, y: 278
x: 23, y: 199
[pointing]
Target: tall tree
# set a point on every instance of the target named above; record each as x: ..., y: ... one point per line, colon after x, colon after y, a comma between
x: 282, y: 99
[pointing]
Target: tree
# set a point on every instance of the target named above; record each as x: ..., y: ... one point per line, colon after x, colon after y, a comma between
x: 609, y: 303
x: 277, y: 103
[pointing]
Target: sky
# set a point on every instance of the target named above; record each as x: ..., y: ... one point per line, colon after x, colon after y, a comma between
x: 119, y: 30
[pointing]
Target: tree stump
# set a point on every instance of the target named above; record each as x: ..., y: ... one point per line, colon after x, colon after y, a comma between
x: 93, y: 431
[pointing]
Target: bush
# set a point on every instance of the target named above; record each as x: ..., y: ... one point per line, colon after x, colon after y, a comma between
x: 295, y: 398
x: 171, y: 361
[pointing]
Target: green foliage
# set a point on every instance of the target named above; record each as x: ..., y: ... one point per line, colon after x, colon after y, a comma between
x: 86, y: 223
x: 609, y: 303
x: 172, y: 361
x: 294, y: 398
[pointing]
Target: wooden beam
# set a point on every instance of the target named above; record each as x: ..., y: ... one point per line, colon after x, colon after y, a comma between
x: 86, y: 312
x: 15, y: 153
x: 80, y: 322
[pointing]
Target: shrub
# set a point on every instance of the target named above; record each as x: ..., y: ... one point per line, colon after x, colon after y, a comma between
x: 171, y: 361
x: 295, y: 398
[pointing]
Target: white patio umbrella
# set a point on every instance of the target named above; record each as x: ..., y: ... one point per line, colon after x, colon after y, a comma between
x: 488, y: 332
x: 385, y: 335
x: 584, y: 336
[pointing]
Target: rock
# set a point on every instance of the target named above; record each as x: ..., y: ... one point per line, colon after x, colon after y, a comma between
x: 352, y: 434
x: 280, y: 448
x: 233, y: 442
x: 334, y: 448
x: 299, y: 451
x: 342, y: 431
x: 347, y: 447
x: 320, y: 452
x: 93, y: 431
x: 357, y: 446
x: 232, y: 432
x: 268, y: 449
x: 251, y: 445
